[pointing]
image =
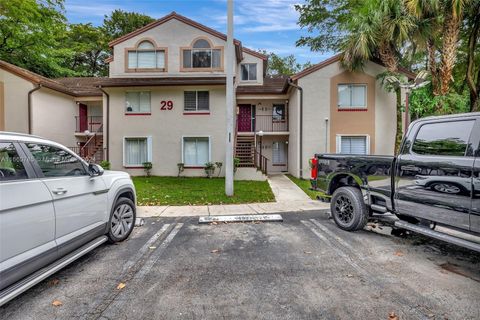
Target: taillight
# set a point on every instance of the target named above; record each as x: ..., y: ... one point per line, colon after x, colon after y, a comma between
x: 314, y: 168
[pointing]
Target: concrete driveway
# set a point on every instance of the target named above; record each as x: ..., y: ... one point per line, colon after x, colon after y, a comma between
x: 302, y: 268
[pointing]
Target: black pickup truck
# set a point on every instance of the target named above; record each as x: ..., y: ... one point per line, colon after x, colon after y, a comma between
x: 434, y: 181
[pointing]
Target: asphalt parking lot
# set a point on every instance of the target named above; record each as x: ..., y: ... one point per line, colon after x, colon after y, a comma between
x: 302, y: 268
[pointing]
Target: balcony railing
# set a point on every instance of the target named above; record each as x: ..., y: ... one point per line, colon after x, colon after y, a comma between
x: 269, y: 123
x: 90, y: 123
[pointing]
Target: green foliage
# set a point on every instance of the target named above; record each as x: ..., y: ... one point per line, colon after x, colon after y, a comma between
x: 209, y: 169
x: 147, y: 167
x: 284, y: 65
x: 424, y: 103
x: 120, y: 23
x: 236, y: 163
x: 105, y: 164
x: 219, y: 165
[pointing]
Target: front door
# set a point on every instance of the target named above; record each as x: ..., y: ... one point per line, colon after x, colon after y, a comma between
x: 244, y: 119
x: 83, y: 119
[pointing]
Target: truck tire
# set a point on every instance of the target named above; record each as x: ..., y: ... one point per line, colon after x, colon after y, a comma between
x: 348, y: 209
x: 122, y: 220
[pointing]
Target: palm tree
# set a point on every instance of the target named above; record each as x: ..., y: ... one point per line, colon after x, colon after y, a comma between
x: 378, y: 29
x: 451, y: 12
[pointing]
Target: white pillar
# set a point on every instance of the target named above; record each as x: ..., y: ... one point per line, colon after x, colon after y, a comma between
x: 229, y: 107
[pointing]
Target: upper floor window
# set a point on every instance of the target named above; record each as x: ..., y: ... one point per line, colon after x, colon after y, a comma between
x: 137, y: 102
x: 278, y: 112
x: 202, y: 55
x: 351, y: 96
x: 197, y: 101
x: 249, y: 71
x: 146, y: 57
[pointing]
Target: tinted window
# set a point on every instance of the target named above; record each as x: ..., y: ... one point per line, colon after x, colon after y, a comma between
x: 11, y: 166
x: 56, y: 162
x: 443, y: 138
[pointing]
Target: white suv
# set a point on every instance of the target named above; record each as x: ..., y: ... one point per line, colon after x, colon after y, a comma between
x: 54, y: 208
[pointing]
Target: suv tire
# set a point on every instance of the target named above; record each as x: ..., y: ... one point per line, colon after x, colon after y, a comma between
x: 122, y: 220
x: 348, y: 209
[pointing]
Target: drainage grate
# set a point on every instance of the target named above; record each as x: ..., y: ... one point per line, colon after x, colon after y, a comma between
x: 242, y: 218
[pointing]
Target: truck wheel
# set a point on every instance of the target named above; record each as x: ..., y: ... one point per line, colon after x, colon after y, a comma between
x: 122, y: 220
x: 348, y: 209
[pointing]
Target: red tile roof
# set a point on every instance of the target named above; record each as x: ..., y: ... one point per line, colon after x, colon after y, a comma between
x: 166, y: 81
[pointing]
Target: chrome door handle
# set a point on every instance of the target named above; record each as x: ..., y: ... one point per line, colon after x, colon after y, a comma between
x: 59, y: 191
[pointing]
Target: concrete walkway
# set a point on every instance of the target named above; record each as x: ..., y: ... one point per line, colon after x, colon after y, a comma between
x: 289, y: 197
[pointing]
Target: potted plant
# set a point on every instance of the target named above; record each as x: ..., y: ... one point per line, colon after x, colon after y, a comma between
x: 181, y: 168
x: 147, y: 167
x: 209, y: 169
x: 105, y: 164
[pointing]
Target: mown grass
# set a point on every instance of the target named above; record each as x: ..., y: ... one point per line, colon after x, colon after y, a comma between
x: 155, y: 191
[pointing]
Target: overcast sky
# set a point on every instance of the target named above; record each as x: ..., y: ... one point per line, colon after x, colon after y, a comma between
x: 259, y: 24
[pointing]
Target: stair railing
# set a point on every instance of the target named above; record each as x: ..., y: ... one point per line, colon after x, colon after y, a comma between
x: 84, y: 150
x: 261, y: 162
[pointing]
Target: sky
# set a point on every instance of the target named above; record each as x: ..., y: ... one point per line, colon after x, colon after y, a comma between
x: 260, y: 24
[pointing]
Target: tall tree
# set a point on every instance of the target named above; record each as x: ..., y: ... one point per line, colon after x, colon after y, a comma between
x: 287, y: 65
x: 472, y: 33
x: 121, y: 22
x: 29, y: 33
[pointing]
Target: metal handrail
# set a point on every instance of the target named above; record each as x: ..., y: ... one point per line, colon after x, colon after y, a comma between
x: 261, y: 163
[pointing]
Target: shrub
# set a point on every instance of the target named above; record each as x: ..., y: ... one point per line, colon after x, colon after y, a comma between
x: 147, y: 167
x: 219, y: 166
x: 106, y: 165
x: 209, y: 169
x: 236, y: 163
x: 181, y: 168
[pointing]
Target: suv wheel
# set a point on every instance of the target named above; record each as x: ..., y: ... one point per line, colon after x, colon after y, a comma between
x: 122, y: 220
x: 348, y: 209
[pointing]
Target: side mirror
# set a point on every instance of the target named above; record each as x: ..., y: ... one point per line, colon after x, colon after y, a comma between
x: 95, y: 170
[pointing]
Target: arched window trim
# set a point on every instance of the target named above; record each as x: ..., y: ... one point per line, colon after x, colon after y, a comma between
x: 135, y: 50
x: 211, y: 49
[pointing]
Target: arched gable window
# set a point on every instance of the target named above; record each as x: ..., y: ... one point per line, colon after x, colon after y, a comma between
x: 146, y: 57
x: 202, y: 55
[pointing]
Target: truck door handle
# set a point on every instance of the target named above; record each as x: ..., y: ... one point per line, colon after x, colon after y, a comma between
x: 59, y: 191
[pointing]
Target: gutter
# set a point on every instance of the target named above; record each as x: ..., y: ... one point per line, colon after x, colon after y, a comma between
x: 300, y: 89
x: 29, y: 108
x: 108, y: 123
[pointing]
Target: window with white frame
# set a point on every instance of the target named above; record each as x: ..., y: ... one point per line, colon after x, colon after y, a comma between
x: 196, y: 151
x: 352, y: 144
x: 278, y: 152
x: 146, y: 56
x: 351, y: 96
x: 202, y: 55
x: 137, y: 102
x: 248, y: 71
x: 196, y: 101
x: 136, y: 151
x: 278, y: 112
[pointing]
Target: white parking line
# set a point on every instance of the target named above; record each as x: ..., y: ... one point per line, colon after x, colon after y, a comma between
x: 158, y: 252
x: 131, y: 262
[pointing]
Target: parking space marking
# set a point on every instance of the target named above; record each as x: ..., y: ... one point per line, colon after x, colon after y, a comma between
x: 131, y: 262
x: 332, y: 235
x: 158, y: 252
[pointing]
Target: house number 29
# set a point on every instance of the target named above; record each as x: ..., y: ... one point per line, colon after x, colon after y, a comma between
x: 166, y: 105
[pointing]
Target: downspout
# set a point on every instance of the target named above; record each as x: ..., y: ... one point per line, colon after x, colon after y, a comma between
x: 108, y: 123
x: 300, y: 89
x: 29, y: 107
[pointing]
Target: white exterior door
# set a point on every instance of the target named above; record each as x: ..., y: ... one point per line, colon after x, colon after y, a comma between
x: 80, y: 201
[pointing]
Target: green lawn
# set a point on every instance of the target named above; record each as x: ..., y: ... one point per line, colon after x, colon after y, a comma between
x: 154, y: 191
x: 304, y: 185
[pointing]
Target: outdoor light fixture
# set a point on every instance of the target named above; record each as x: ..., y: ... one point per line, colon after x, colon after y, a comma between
x: 417, y: 83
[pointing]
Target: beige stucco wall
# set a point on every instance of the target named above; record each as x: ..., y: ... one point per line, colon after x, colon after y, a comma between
x: 167, y: 128
x: 317, y: 134
x: 15, y: 101
x: 267, y: 151
x: 53, y: 116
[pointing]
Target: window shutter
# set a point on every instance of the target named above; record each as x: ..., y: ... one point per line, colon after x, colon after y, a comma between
x: 203, y: 101
x: 160, y: 59
x: 216, y: 58
x: 187, y: 58
x: 132, y: 59
x: 190, y: 101
x: 146, y: 59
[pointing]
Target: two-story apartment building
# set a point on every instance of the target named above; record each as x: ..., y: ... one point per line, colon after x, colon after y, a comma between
x: 164, y: 102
